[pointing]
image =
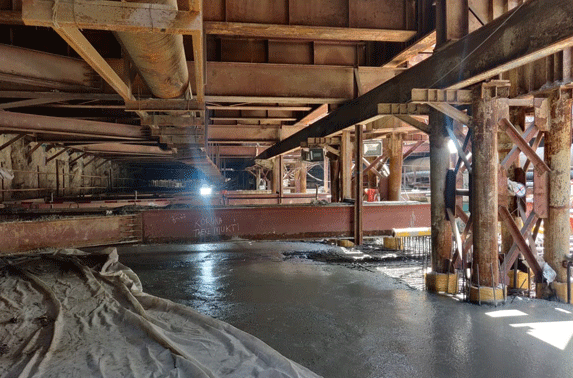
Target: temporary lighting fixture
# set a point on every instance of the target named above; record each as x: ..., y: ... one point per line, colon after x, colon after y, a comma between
x: 313, y: 154
x: 373, y: 148
x: 206, y: 191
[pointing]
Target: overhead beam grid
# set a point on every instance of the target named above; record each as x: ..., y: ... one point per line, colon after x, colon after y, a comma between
x: 531, y: 31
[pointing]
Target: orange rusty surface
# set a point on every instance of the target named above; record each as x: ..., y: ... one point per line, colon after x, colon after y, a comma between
x: 65, y: 233
x: 278, y: 222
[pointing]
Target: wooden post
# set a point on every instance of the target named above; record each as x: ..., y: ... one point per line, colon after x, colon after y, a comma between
x: 335, y: 180
x: 558, y: 158
x: 439, y: 165
x: 487, y: 111
x: 359, y: 147
x: 57, y: 177
x: 300, y: 177
x: 451, y: 20
x: 277, y: 184
x: 346, y: 165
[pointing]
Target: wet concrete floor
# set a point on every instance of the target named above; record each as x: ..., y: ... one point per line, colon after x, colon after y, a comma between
x: 347, y: 320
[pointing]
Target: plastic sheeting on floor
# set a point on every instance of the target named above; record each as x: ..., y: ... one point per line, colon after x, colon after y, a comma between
x: 70, y: 314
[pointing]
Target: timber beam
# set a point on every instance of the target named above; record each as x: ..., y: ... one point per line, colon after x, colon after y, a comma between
x: 526, y: 34
x: 316, y: 33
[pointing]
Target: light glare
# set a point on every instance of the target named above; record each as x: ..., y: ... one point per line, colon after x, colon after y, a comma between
x: 206, y: 191
x: 452, y: 147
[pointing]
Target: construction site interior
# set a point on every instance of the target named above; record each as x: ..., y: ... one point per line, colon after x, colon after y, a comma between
x: 286, y: 188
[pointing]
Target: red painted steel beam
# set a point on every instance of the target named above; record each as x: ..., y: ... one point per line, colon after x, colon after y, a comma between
x: 66, y: 233
x: 278, y: 222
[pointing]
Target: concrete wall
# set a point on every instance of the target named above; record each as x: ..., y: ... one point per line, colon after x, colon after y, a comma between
x: 33, y: 178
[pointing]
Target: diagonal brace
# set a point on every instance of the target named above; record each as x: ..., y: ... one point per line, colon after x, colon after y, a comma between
x: 515, y: 136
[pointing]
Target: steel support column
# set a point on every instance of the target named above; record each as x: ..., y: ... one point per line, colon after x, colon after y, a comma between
x: 487, y: 112
x: 558, y: 158
x: 439, y: 165
x: 395, y: 178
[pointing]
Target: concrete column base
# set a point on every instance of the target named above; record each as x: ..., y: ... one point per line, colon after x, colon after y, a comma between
x: 555, y: 290
x: 442, y: 283
x: 393, y: 243
x: 487, y: 295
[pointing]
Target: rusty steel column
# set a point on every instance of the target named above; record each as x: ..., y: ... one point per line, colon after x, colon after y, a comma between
x: 439, y: 165
x: 487, y: 110
x: 558, y: 158
x: 359, y: 185
x: 395, y: 178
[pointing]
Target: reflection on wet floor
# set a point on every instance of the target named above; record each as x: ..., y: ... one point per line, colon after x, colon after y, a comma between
x: 351, y: 319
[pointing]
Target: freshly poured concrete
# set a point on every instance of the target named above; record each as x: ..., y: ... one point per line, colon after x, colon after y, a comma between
x: 353, y: 321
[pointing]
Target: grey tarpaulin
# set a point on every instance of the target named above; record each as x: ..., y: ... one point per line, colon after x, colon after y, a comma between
x: 70, y: 314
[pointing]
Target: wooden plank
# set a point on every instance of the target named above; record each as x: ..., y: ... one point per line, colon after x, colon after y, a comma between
x: 252, y: 99
x: 541, y: 193
x: 312, y: 33
x: 515, y: 151
x: 346, y: 164
x: 11, y: 141
x: 534, y: 28
x: 254, y: 119
x: 423, y: 44
x: 368, y: 164
x: 56, y: 155
x: 313, y: 116
x: 412, y: 149
x: 261, y: 108
x: 84, y: 48
x: 519, y: 242
x: 111, y: 16
x: 199, y: 57
x: 452, y: 112
x: 424, y: 127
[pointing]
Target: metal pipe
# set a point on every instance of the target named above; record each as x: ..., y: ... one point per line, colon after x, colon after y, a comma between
x: 159, y: 58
